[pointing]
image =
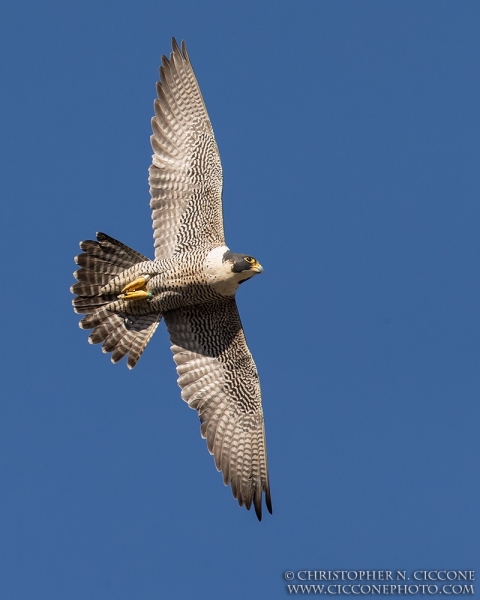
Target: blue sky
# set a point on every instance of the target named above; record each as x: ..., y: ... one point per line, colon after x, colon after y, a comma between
x: 349, y: 136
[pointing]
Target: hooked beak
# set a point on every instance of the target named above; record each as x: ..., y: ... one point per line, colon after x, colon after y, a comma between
x: 257, y: 268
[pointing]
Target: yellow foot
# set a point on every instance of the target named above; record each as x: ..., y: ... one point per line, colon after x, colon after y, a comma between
x: 135, y: 290
x: 135, y: 295
x: 136, y: 284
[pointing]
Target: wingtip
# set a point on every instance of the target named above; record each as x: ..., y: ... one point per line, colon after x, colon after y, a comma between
x: 258, y: 505
x: 268, y: 501
x: 180, y: 50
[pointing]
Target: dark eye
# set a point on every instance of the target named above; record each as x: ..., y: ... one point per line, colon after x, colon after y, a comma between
x: 249, y: 260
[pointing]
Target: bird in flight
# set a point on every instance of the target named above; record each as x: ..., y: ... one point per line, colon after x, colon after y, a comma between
x: 191, y: 283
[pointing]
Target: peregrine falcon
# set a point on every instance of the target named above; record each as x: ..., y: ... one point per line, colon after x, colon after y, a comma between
x: 191, y: 283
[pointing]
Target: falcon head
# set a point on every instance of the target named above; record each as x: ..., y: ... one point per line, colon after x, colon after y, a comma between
x: 244, y: 264
x: 226, y: 270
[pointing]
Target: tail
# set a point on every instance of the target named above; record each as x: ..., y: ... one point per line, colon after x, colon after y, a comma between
x: 120, y: 333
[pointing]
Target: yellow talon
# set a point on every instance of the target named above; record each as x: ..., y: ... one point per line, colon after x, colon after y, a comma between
x: 136, y: 284
x: 135, y: 295
x: 135, y: 290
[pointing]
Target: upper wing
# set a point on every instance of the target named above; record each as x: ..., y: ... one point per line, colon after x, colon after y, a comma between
x: 186, y: 172
x: 218, y: 378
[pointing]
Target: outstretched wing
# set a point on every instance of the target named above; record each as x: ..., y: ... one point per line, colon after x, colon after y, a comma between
x: 219, y: 379
x: 186, y: 172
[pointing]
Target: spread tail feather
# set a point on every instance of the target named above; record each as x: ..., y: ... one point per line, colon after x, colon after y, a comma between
x: 122, y: 334
x: 125, y: 335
